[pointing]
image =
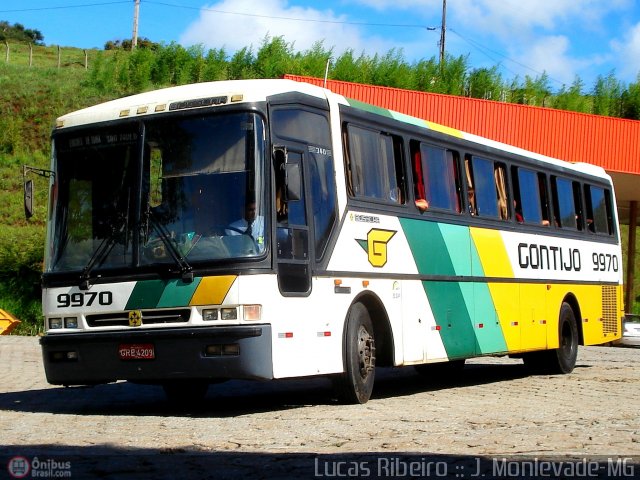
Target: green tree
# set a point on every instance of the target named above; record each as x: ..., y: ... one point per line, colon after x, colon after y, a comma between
x: 274, y: 58
x: 607, y: 96
x: 631, y: 101
x: 392, y: 70
x: 216, y: 65
x: 484, y: 83
x: 452, y: 76
x: 19, y: 33
x: 242, y: 64
x: 572, y: 98
x: 425, y: 74
x: 313, y: 62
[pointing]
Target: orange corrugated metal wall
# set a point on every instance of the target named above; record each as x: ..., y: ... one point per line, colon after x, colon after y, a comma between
x: 611, y: 143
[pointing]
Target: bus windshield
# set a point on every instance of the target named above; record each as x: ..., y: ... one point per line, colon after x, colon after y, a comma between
x: 168, y: 191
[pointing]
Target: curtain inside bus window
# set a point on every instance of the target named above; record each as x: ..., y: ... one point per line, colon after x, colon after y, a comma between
x: 418, y: 179
x: 501, y: 190
x: 440, y: 171
x: 388, y: 166
x: 470, y: 187
x: 372, y: 162
x: 485, y: 187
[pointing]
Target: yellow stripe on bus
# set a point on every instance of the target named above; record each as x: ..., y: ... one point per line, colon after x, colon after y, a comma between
x: 492, y: 252
x: 212, y: 290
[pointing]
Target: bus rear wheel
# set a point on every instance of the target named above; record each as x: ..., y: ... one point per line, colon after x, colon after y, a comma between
x: 355, y: 385
x: 562, y: 359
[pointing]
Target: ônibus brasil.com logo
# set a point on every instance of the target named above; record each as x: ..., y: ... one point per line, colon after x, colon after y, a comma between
x: 20, y: 467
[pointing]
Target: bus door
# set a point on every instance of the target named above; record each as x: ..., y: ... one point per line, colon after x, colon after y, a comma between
x: 292, y: 229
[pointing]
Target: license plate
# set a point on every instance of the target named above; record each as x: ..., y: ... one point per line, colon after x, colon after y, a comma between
x: 136, y: 351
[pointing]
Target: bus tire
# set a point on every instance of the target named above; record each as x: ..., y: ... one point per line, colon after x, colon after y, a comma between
x: 355, y: 385
x: 185, y: 392
x: 561, y: 360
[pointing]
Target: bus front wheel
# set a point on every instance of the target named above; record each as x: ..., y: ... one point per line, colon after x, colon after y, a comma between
x: 355, y: 385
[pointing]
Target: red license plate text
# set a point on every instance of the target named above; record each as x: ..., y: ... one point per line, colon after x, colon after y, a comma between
x: 136, y: 351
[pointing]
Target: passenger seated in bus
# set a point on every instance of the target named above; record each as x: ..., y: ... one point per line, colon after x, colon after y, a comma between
x: 472, y: 201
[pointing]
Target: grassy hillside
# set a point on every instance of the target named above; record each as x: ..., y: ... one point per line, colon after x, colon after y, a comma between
x: 32, y: 97
x: 30, y: 100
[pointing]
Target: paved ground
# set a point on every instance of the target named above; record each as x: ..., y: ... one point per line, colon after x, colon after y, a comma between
x: 286, y: 429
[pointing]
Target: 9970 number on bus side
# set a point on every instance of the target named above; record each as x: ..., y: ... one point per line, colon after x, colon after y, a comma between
x: 86, y: 299
x: 604, y: 262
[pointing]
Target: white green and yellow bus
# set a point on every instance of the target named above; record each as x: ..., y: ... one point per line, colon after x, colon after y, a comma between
x: 269, y: 229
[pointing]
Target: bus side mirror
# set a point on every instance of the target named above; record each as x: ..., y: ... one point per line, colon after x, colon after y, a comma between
x: 294, y: 181
x: 28, y: 198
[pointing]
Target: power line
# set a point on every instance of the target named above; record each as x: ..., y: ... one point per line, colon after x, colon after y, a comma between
x: 484, y: 50
x: 295, y: 19
x: 62, y: 7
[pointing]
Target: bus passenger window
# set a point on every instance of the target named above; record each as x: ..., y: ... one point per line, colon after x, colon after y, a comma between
x: 436, y: 177
x: 373, y: 165
x: 564, y: 202
x: 489, y: 184
x: 529, y: 192
x: 598, y: 210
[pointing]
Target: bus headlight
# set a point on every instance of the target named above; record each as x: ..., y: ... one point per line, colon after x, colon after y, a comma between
x: 55, y: 323
x: 210, y: 314
x: 70, y: 322
x: 229, y: 313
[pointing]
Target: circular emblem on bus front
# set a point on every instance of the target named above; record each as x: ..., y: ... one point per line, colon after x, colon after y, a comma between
x: 135, y: 318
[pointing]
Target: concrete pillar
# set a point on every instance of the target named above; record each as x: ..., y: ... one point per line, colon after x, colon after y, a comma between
x: 631, y: 255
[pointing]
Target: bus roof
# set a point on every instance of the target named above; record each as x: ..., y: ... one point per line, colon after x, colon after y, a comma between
x: 158, y: 101
x: 244, y: 91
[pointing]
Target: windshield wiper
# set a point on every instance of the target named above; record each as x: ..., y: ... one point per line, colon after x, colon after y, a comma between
x: 103, y: 251
x: 186, y: 271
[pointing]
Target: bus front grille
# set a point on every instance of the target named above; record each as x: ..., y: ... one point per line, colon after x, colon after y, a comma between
x: 149, y: 317
x: 609, y: 309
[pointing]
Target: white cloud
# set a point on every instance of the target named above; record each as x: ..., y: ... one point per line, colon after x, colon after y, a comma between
x: 627, y: 53
x: 550, y: 55
x: 214, y: 29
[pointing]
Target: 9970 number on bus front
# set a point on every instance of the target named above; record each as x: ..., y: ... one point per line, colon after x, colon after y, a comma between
x: 86, y: 299
x: 604, y: 262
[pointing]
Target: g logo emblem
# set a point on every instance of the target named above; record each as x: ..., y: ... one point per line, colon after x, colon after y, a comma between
x: 376, y: 246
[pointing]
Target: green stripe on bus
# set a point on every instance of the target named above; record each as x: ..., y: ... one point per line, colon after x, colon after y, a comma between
x: 145, y: 294
x: 428, y: 247
x: 441, y: 249
x: 449, y: 306
x: 457, y: 241
x: 369, y: 108
x: 161, y: 293
x: 487, y: 327
x: 178, y: 293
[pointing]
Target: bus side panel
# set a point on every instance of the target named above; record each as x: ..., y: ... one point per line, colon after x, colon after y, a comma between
x: 463, y: 310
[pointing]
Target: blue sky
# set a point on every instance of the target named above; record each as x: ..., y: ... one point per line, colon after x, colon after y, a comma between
x: 563, y: 38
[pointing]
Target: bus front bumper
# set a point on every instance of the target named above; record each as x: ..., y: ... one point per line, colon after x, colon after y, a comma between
x: 158, y: 355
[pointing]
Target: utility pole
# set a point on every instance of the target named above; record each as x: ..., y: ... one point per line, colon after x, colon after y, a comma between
x: 136, y: 13
x: 443, y: 29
